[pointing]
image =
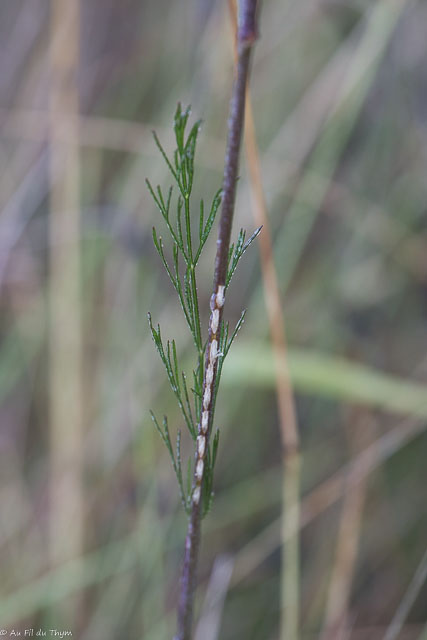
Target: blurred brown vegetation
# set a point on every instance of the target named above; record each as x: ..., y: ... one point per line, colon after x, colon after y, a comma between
x: 91, y: 531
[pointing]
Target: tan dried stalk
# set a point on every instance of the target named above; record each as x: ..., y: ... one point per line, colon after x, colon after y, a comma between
x: 290, y: 581
x: 360, y: 427
x: 65, y: 345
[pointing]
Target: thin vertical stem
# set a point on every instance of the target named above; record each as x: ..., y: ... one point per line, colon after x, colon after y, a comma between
x: 408, y: 600
x: 290, y: 569
x: 290, y: 543
x: 246, y: 38
x: 65, y: 391
x: 192, y: 276
x: 360, y: 428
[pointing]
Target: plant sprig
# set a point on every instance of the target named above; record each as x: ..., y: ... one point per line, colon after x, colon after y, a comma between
x: 187, y: 248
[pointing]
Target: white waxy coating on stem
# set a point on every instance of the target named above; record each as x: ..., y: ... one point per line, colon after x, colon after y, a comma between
x: 206, y: 397
x: 199, y: 470
x: 209, y: 374
x: 205, y: 421
x: 196, y: 495
x: 213, y: 350
x: 215, y: 320
x: 220, y: 296
x: 201, y: 445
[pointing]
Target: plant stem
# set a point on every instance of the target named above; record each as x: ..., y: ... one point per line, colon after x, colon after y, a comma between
x: 192, y: 276
x: 65, y: 312
x: 290, y: 578
x: 290, y: 571
x: 360, y: 427
x: 246, y: 38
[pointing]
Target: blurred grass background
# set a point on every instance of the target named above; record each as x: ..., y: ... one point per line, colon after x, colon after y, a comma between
x: 91, y: 533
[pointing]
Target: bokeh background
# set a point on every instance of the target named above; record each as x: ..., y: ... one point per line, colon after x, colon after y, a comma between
x: 91, y: 528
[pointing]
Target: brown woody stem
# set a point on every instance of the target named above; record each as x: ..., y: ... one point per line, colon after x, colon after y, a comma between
x: 247, y: 35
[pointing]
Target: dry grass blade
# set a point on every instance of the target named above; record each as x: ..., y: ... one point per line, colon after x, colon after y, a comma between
x: 408, y: 600
x: 336, y: 618
x: 326, y: 494
x: 65, y: 392
x: 210, y: 618
x: 287, y: 416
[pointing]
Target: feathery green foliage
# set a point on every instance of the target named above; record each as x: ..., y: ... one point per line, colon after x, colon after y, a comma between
x: 186, y: 253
